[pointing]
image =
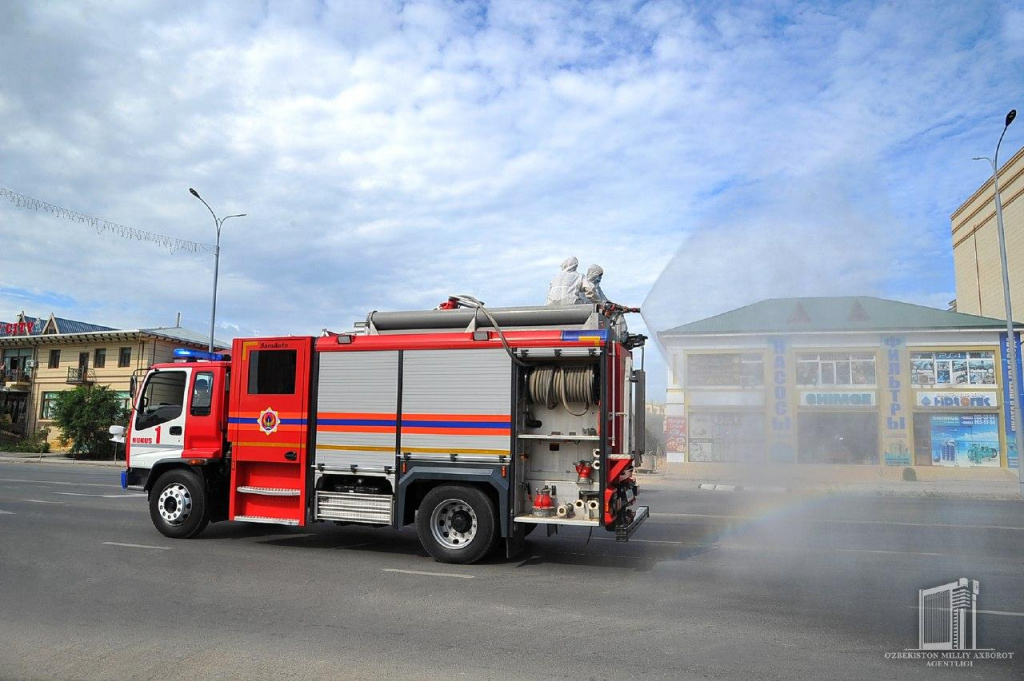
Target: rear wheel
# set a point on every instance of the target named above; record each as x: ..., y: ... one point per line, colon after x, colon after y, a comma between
x: 178, y: 504
x: 456, y: 524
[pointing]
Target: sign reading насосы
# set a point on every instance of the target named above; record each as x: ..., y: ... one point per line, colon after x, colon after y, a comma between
x: 956, y: 400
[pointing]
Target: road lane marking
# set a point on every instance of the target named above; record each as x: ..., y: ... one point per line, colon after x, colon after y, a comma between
x: 6, y: 512
x: 40, y: 501
x: 837, y: 521
x: 137, y: 546
x: 429, y: 574
x: 61, y: 482
x: 100, y: 496
x: 909, y: 553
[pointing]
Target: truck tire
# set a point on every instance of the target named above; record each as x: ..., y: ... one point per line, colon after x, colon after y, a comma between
x: 456, y: 524
x: 178, y: 504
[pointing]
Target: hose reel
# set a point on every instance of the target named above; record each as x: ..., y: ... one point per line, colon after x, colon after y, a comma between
x: 548, y: 385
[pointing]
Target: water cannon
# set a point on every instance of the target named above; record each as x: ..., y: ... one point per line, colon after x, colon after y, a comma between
x: 611, y: 308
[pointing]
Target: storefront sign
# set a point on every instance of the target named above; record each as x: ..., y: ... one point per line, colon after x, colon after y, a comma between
x: 781, y: 448
x: 16, y: 328
x: 1008, y: 398
x: 895, y: 435
x: 819, y: 399
x: 956, y: 400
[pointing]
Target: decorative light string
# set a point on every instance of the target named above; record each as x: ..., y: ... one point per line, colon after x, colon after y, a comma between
x: 171, y: 243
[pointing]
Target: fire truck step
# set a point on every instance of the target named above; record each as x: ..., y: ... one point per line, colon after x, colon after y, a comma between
x: 264, y: 519
x: 269, y: 491
x: 374, y: 509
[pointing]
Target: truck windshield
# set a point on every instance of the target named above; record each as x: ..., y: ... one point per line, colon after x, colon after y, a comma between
x: 161, y: 399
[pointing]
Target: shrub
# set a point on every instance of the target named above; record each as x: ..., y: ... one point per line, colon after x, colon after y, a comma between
x: 84, y: 416
x: 36, y: 443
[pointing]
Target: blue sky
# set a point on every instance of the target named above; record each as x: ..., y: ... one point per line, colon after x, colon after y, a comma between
x: 707, y: 155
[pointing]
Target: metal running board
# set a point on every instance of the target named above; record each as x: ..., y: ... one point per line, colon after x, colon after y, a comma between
x: 266, y: 520
x: 269, y: 491
x: 372, y: 509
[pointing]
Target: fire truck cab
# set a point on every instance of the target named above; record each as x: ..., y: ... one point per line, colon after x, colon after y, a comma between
x: 476, y: 425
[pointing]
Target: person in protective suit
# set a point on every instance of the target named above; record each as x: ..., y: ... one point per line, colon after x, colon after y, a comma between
x: 590, y: 289
x: 565, y: 287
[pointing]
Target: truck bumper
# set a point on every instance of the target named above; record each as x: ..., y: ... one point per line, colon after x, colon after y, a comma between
x: 624, y: 533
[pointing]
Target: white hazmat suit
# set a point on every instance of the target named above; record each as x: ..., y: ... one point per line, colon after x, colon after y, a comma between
x: 565, y: 287
x: 590, y: 289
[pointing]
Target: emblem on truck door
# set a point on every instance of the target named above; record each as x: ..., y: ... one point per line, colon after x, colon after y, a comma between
x: 269, y: 421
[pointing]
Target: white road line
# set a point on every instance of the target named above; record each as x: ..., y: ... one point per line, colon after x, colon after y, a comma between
x: 137, y: 546
x: 61, y: 482
x: 429, y: 574
x: 910, y: 553
x: 837, y: 521
x: 100, y: 496
x: 40, y: 501
x: 6, y: 512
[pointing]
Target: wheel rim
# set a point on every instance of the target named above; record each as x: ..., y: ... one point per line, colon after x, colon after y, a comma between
x: 453, y: 524
x: 175, y: 504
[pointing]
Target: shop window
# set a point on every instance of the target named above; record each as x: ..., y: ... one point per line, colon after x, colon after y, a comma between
x: 99, y: 359
x: 54, y: 359
x: 835, y: 369
x: 49, y: 401
x: 956, y: 440
x: 272, y: 372
x: 725, y: 370
x: 953, y: 368
x: 837, y: 438
x: 124, y: 357
x: 726, y: 436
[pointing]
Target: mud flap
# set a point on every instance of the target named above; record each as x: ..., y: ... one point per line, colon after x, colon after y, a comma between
x: 515, y: 544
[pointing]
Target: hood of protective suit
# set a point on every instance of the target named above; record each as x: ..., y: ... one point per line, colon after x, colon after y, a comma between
x: 594, y: 271
x: 570, y: 264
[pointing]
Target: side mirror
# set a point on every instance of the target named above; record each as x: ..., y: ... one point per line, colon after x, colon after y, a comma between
x: 132, y: 385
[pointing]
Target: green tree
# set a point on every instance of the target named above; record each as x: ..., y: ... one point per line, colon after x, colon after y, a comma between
x: 84, y: 416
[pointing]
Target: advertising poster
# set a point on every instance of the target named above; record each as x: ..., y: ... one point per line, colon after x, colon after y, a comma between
x: 1008, y: 401
x: 965, y: 440
x: 675, y: 434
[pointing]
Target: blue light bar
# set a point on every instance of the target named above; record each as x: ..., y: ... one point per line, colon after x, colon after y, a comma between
x: 189, y: 354
x: 595, y: 336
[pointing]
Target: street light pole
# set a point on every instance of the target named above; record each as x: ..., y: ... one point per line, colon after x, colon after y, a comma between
x: 216, y: 258
x: 1015, y: 389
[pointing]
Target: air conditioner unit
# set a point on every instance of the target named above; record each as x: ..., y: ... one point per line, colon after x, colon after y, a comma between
x: 30, y: 364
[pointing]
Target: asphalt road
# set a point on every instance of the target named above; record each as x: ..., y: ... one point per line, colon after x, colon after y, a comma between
x: 716, y: 585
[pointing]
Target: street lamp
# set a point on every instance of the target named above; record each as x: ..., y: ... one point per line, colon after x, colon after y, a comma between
x: 216, y: 258
x: 1015, y: 392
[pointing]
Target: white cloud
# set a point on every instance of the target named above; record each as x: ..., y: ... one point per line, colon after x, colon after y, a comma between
x: 389, y: 153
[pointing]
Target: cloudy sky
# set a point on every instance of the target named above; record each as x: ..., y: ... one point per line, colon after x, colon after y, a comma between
x: 706, y: 154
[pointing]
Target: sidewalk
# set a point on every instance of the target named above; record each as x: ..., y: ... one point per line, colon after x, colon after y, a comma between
x: 54, y: 458
x: 993, y: 483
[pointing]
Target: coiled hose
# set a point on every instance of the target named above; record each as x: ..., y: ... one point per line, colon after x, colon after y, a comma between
x: 549, y: 384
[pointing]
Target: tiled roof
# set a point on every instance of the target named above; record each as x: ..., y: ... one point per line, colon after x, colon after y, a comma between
x: 841, y: 313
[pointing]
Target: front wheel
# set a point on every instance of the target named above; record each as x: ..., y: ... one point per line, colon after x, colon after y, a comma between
x: 177, y: 504
x: 457, y: 524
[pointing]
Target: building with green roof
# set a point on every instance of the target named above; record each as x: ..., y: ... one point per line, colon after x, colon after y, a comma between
x: 852, y: 380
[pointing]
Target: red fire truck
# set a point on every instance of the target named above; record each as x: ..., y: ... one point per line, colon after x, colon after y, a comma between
x: 477, y: 425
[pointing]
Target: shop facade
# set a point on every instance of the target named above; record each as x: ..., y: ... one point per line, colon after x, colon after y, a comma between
x: 41, y: 358
x: 849, y: 381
